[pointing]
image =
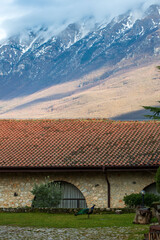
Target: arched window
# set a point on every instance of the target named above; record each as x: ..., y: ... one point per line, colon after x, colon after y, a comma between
x: 151, y: 189
x: 72, y: 197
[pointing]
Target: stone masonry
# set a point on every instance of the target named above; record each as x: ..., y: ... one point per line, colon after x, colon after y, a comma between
x: 15, y: 188
x: 125, y: 183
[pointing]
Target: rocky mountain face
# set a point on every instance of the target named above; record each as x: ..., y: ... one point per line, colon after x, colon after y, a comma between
x: 35, y: 59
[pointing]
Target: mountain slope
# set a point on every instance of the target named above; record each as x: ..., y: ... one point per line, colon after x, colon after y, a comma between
x: 82, y: 71
x: 126, y: 92
x: 35, y: 60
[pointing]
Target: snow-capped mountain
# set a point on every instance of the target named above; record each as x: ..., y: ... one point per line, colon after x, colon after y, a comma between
x: 36, y: 59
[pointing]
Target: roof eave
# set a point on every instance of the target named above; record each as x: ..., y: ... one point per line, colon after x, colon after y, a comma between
x: 78, y: 169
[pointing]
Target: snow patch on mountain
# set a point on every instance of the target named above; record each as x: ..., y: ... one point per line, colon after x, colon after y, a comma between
x: 38, y: 58
x: 142, y: 31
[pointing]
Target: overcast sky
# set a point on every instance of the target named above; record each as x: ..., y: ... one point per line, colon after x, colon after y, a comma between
x: 15, y: 15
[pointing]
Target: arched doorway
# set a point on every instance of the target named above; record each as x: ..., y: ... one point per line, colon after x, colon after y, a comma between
x: 151, y: 189
x: 72, y: 197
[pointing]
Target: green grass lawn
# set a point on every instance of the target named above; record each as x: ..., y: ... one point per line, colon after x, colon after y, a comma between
x: 67, y: 220
x: 48, y: 220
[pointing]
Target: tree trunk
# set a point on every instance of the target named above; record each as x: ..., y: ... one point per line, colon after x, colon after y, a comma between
x: 143, y: 216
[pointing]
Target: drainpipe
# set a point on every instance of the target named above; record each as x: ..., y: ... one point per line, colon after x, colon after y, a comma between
x: 108, y: 185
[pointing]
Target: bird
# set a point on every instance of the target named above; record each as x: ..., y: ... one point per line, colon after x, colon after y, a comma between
x: 85, y: 211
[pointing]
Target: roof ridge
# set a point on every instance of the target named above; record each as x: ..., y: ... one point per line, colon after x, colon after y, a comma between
x: 79, y: 119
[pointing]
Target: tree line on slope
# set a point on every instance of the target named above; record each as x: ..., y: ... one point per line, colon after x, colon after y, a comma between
x: 154, y: 110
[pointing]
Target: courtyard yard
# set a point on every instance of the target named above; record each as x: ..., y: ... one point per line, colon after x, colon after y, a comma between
x: 68, y: 227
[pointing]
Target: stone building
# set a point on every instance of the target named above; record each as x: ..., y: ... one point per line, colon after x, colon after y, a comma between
x: 97, y: 161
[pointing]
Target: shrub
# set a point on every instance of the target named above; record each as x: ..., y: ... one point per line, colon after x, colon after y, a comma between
x: 135, y: 199
x: 149, y: 198
x: 46, y: 194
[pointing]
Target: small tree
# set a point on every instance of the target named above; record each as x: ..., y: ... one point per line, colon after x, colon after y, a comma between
x: 154, y: 110
x: 158, y: 180
x: 46, y: 194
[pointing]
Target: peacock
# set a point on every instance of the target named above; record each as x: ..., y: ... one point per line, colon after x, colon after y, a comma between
x: 85, y: 211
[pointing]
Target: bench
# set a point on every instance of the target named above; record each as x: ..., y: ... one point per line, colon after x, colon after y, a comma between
x: 154, y: 233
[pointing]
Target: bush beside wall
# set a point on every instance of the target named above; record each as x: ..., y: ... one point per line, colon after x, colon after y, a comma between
x: 135, y: 199
x: 65, y: 210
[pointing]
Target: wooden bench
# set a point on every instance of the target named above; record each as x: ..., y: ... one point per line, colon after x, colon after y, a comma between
x: 154, y: 233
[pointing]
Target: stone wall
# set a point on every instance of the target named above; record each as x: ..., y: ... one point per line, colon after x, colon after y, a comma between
x: 92, y: 184
x: 125, y: 183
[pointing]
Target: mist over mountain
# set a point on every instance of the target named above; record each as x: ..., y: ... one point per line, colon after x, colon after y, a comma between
x: 17, y: 15
x: 38, y: 58
x: 31, y: 61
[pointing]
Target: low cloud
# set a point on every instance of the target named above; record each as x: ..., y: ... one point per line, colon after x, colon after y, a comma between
x: 15, y: 15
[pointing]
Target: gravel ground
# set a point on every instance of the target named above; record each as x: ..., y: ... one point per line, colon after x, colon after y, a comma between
x: 27, y: 233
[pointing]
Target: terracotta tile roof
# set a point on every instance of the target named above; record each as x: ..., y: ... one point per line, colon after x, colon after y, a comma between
x: 79, y: 143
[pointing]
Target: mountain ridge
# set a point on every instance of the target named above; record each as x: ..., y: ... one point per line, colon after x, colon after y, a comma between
x: 46, y: 63
x: 34, y: 61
